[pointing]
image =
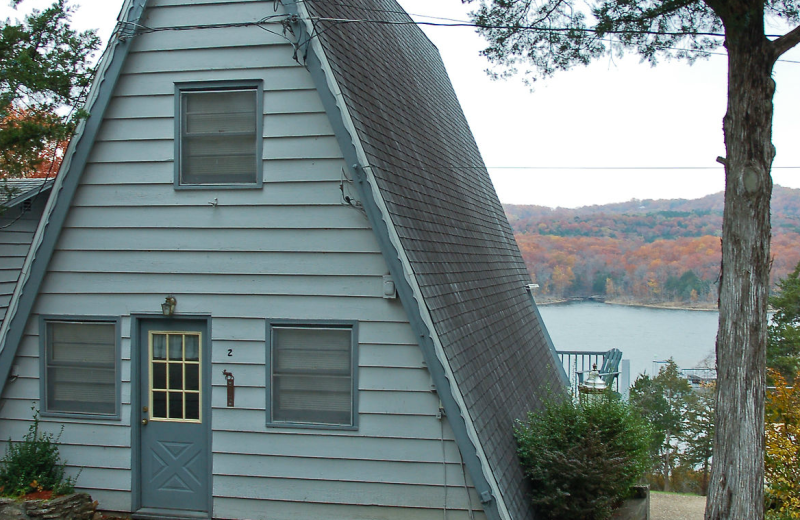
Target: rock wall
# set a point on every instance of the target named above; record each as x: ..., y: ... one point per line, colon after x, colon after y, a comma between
x: 78, y: 506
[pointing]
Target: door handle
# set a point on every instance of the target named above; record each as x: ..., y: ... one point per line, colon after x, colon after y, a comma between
x: 144, y: 422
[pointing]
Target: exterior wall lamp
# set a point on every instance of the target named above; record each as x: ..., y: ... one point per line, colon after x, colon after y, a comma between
x: 168, y: 307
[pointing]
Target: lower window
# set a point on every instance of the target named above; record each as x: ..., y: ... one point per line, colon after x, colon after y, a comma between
x: 312, y: 375
x: 80, y: 361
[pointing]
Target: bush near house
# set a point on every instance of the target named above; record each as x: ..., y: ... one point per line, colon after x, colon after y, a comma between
x: 34, y: 464
x: 582, y: 459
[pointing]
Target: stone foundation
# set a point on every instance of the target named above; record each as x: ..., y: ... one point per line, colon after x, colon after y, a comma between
x: 78, y: 506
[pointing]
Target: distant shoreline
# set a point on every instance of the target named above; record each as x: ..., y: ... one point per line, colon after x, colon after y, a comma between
x: 672, y: 306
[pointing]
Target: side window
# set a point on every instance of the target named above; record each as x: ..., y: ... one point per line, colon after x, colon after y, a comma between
x: 218, y: 141
x: 80, y: 373
x: 312, y: 375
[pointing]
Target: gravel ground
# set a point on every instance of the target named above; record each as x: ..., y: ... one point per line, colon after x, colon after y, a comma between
x: 671, y: 506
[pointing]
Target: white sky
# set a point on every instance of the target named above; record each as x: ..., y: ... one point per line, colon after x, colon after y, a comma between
x: 612, y: 114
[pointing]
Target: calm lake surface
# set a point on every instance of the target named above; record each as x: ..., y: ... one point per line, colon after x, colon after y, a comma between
x: 642, y: 334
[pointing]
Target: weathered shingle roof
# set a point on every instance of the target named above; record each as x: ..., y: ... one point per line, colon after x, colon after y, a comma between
x: 13, y: 191
x: 450, y: 222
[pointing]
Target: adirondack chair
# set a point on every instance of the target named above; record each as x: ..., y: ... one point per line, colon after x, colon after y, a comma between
x: 610, y: 369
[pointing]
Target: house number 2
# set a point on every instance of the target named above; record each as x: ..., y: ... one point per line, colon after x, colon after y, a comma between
x: 230, y: 352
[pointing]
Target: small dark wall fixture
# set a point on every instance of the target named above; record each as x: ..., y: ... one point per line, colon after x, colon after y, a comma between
x: 231, y: 387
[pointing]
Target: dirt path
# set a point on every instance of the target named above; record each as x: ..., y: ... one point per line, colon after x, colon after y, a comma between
x: 671, y: 506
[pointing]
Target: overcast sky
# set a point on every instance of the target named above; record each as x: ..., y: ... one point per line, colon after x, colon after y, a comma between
x: 579, y: 137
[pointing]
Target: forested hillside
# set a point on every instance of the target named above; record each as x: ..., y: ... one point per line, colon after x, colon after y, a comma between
x: 644, y: 250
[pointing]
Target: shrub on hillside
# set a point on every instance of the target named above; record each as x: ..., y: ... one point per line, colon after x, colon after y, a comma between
x: 583, y: 459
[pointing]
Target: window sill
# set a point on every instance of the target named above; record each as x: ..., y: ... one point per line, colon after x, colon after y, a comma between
x: 309, y: 426
x: 185, y: 187
x: 83, y: 417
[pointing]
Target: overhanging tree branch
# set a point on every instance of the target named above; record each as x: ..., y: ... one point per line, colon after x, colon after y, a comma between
x: 786, y: 42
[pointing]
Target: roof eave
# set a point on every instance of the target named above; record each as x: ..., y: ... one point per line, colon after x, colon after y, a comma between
x: 22, y: 197
x: 65, y: 185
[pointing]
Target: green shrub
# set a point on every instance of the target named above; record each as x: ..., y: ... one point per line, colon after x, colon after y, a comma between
x: 34, y: 464
x: 583, y: 459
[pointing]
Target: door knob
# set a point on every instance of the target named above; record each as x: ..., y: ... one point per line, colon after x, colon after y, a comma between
x: 144, y: 422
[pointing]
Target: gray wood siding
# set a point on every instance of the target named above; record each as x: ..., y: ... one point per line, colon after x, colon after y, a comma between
x: 17, y: 226
x: 291, y: 250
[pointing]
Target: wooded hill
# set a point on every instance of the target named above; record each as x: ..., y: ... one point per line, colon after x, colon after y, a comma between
x: 646, y: 250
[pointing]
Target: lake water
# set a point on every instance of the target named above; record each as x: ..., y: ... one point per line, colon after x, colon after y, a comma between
x: 642, y: 334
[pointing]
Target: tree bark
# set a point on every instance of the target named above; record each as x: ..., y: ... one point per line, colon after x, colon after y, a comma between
x: 736, y: 487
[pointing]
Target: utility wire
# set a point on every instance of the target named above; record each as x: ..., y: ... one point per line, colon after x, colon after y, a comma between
x: 282, y: 18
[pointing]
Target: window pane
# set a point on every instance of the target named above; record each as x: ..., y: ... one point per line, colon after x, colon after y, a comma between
x: 229, y: 166
x: 192, y: 376
x: 312, y: 379
x: 219, y: 137
x: 81, y: 390
x: 193, y: 406
x: 159, y: 346
x: 160, y: 375
x: 192, y: 345
x: 81, y: 375
x: 326, y: 350
x: 176, y: 405
x: 82, y: 343
x: 176, y: 347
x: 175, y: 376
x: 160, y: 405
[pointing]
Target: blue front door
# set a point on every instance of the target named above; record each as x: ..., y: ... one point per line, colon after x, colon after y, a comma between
x: 174, y: 472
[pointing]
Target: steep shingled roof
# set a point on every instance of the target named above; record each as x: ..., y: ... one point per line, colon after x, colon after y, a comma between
x: 450, y: 222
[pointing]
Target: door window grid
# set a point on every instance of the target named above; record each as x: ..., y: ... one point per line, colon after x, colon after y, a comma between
x: 175, y: 376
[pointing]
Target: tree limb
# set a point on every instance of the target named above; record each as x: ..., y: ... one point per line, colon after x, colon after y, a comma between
x: 786, y: 42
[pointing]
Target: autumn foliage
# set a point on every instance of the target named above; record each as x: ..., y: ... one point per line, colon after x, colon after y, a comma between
x: 782, y: 462
x: 42, y: 158
x: 642, y: 250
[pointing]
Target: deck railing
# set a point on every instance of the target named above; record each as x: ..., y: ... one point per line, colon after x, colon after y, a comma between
x: 577, y: 361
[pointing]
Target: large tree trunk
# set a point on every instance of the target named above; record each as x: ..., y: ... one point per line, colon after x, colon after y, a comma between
x: 736, y: 487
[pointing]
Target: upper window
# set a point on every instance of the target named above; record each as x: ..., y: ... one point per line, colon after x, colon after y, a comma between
x: 80, y: 372
x: 312, y: 375
x: 219, y: 135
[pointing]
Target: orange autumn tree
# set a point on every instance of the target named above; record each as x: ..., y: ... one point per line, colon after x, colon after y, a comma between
x: 42, y: 152
x: 782, y: 458
x: 45, y: 72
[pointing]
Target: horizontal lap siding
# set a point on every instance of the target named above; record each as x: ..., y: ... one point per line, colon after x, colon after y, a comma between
x: 291, y: 250
x: 17, y: 226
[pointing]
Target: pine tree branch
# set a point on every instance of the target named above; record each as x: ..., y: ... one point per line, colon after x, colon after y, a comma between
x: 786, y: 42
